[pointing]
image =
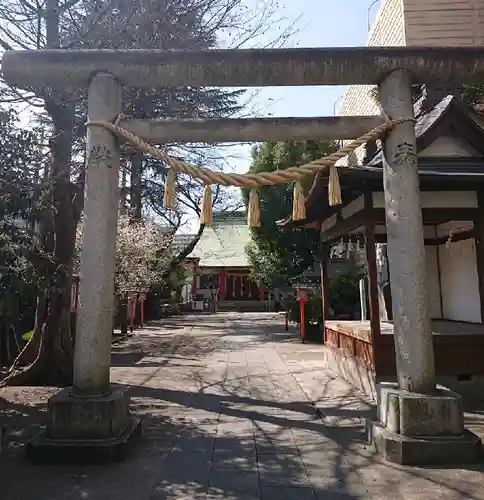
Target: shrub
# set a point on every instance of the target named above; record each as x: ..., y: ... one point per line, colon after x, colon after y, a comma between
x: 343, y: 297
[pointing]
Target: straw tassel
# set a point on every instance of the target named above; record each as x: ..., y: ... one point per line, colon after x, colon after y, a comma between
x: 334, y: 188
x: 298, y: 203
x: 169, y: 195
x: 253, y: 213
x: 206, y: 212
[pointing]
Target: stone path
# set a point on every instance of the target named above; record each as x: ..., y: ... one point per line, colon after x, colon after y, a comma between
x: 233, y: 408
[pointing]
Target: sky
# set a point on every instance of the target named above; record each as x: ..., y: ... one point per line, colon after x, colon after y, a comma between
x: 320, y: 23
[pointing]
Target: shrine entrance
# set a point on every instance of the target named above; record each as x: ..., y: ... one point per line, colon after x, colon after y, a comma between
x: 413, y: 408
x: 239, y: 286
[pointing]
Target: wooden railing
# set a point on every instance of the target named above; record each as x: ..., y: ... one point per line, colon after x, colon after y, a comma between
x: 350, y: 343
x: 455, y: 354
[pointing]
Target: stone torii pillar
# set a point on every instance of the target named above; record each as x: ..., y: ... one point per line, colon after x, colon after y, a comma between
x: 92, y: 358
x: 90, y: 421
x: 405, y: 241
x: 418, y: 423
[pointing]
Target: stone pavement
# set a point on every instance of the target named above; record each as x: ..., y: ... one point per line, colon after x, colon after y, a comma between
x: 234, y: 408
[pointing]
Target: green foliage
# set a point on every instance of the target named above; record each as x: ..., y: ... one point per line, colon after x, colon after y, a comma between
x: 312, y: 309
x: 343, y: 295
x: 27, y: 335
x: 171, y: 288
x: 20, y: 165
x: 344, y: 292
x: 179, y: 277
x: 278, y: 257
x: 471, y: 94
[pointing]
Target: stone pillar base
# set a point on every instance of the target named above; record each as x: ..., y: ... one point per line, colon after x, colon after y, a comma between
x: 82, y: 430
x: 420, y: 429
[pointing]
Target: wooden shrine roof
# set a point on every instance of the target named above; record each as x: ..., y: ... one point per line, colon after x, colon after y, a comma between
x: 223, y: 244
x: 437, y: 116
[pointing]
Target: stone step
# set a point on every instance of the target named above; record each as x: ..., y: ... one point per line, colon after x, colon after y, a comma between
x: 242, y: 305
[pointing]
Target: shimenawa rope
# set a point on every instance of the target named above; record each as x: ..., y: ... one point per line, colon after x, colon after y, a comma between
x: 250, y: 180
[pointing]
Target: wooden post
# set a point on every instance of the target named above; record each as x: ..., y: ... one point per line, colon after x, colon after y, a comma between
x: 194, y: 280
x: 194, y: 284
x: 302, y: 319
x: 132, y: 309
x: 221, y: 285
x: 362, y: 286
x: 370, y: 254
x: 324, y: 286
x: 142, y: 298
x: 406, y: 254
x: 479, y: 232
x: 92, y: 357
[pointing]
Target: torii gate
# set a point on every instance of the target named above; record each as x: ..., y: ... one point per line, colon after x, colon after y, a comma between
x: 92, y: 417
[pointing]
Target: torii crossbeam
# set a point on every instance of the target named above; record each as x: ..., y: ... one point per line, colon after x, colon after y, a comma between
x: 95, y: 412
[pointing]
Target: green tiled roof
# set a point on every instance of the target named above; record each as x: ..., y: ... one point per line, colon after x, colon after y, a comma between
x: 223, y: 244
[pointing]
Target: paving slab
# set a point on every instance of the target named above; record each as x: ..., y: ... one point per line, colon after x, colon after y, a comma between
x: 233, y: 408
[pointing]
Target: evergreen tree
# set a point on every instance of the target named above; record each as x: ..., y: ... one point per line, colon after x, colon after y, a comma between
x: 113, y: 24
x: 279, y: 256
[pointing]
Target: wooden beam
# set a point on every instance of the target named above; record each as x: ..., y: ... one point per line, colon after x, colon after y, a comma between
x: 433, y: 216
x: 243, y: 68
x: 212, y: 130
x: 344, y: 227
x: 461, y: 236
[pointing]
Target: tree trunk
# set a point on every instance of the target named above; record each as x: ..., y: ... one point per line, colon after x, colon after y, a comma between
x: 136, y: 174
x: 181, y: 256
x: 30, y: 351
x: 48, y: 357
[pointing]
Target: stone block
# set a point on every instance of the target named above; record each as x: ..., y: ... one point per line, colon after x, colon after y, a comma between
x: 414, y: 415
x: 97, y: 417
x: 44, y: 451
x: 388, y: 406
x: 432, y: 450
x: 82, y: 430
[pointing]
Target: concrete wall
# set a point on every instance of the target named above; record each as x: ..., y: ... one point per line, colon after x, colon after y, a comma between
x: 418, y: 23
x: 444, y: 22
x: 388, y: 30
x: 415, y: 23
